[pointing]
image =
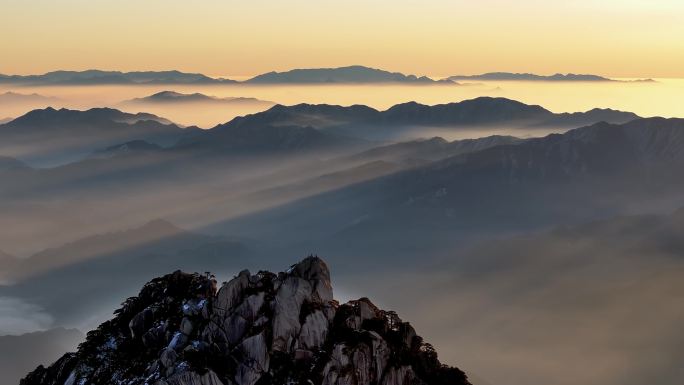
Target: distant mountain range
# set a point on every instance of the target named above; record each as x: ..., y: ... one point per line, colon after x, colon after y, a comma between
x: 128, y: 148
x: 68, y: 135
x: 529, y: 76
x: 266, y: 140
x: 281, y: 173
x: 371, y: 209
x: 153, y: 248
x: 594, y: 171
x: 172, y: 97
x: 427, y: 150
x: 338, y: 75
x: 367, y: 123
x: 351, y: 74
x: 306, y: 126
x: 506, y: 76
x: 144, y: 239
x: 5, y: 120
x: 280, y: 155
x: 92, y: 77
x: 15, y: 97
x: 47, y: 137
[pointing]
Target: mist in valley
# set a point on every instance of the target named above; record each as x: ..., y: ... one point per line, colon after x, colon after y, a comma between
x: 540, y: 254
x: 645, y: 99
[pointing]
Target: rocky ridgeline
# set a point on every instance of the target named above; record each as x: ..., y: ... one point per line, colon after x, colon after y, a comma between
x: 265, y: 328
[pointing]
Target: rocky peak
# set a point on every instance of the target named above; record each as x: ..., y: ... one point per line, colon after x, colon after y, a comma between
x: 256, y: 329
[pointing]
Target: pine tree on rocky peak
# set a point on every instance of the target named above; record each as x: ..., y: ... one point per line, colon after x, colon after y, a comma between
x: 257, y: 329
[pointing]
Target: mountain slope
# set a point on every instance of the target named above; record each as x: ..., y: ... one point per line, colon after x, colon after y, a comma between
x: 7, y: 263
x: 351, y: 74
x: 430, y: 149
x: 532, y: 77
x: 402, y: 119
x: 152, y: 236
x: 10, y: 97
x: 125, y: 149
x: 264, y: 328
x: 259, y: 139
x: 47, y: 137
x: 24, y: 352
x: 91, y: 77
x: 587, y: 173
x: 107, y: 266
x: 172, y: 97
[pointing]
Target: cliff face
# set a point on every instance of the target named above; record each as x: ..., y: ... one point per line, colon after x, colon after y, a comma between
x: 265, y: 328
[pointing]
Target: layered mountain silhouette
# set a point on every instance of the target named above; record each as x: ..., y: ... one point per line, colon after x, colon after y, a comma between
x: 48, y: 137
x: 587, y: 173
x: 237, y: 139
x: 141, y: 240
x: 134, y: 147
x: 23, y: 353
x: 10, y: 97
x: 570, y: 77
x: 99, y: 266
x: 91, y: 77
x: 262, y: 328
x: 427, y: 150
x: 68, y: 135
x: 281, y: 128
x: 172, y: 97
x: 351, y: 74
x: 532, y: 77
x: 368, y: 123
x: 283, y: 157
x: 153, y: 180
x: 339, y: 75
x: 332, y: 179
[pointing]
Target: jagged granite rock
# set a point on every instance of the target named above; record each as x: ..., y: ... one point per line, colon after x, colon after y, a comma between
x: 261, y: 329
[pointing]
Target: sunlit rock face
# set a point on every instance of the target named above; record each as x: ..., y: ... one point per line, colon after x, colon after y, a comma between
x: 256, y: 329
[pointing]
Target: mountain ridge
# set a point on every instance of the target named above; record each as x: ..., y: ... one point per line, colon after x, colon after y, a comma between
x: 412, y: 117
x: 92, y: 77
x: 509, y: 187
x: 16, y: 97
x: 557, y: 77
x: 349, y: 74
x: 48, y: 137
x: 164, y: 97
x: 530, y: 76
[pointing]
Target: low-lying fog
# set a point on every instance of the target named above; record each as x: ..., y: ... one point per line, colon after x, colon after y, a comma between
x: 592, y: 304
x: 659, y: 98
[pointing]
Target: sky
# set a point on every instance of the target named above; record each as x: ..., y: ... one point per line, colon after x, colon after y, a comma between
x: 619, y: 38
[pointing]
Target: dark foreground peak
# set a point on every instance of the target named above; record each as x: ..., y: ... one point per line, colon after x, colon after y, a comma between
x: 256, y: 329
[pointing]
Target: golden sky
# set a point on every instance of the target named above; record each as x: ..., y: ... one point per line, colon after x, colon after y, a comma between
x: 620, y: 38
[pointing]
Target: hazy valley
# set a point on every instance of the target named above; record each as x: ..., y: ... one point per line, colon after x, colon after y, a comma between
x: 463, y: 209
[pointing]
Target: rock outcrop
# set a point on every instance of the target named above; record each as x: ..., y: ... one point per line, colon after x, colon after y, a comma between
x: 257, y: 329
